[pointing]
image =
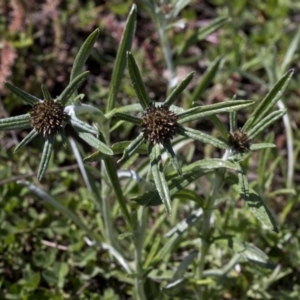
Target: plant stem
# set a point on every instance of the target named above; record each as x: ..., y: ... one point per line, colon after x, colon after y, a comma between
x: 139, y: 241
x: 206, y: 227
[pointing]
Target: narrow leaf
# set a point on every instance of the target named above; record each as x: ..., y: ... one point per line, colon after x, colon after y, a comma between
x: 83, y: 126
x: 125, y: 109
x: 203, y: 33
x: 196, y: 113
x: 30, y: 136
x: 179, y: 89
x: 266, y: 122
x: 47, y: 150
x: 260, y: 146
x: 129, y: 118
x: 255, y: 202
x: 46, y: 93
x: 72, y: 87
x: 120, y: 61
x: 22, y: 94
x: 269, y: 101
x: 94, y: 142
x: 18, y: 122
x: 119, y: 147
x: 132, y: 148
x: 83, y: 54
x: 202, y: 137
x: 173, y: 158
x: 159, y: 177
x: 207, y: 78
x: 137, y: 82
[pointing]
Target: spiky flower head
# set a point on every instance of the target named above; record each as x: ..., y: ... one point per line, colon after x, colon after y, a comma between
x: 159, y: 124
x: 48, y: 117
x: 239, y: 141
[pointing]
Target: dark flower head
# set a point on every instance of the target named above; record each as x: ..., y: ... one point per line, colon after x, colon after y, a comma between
x: 239, y: 141
x: 48, y: 117
x: 159, y: 124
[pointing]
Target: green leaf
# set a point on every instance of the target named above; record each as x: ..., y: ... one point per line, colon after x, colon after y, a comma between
x: 120, y: 61
x: 82, y: 126
x: 46, y: 93
x: 265, y: 123
x: 22, y: 94
x: 94, y: 142
x: 72, y: 87
x: 60, y: 207
x: 250, y: 253
x: 203, y: 33
x: 207, y: 78
x: 173, y: 158
x: 178, y: 182
x: 255, y: 202
x: 132, y: 148
x: 159, y: 177
x: 119, y: 147
x: 129, y: 118
x: 179, y: 89
x: 289, y: 57
x: 47, y: 150
x: 13, y: 123
x: 196, y: 113
x: 83, y: 54
x: 125, y: 109
x: 260, y: 146
x: 30, y: 136
x: 202, y: 137
x: 269, y: 101
x: 137, y: 82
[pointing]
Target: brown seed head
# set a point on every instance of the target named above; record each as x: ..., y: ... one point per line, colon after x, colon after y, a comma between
x: 239, y: 141
x: 159, y: 124
x: 48, y: 117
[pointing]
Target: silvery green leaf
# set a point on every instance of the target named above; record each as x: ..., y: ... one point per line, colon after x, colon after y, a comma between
x: 207, y: 78
x: 269, y: 101
x: 83, y: 126
x: 173, y: 158
x: 265, y: 123
x: 83, y: 54
x: 94, y: 142
x: 159, y: 177
x: 22, y: 94
x: 137, y: 81
x: 255, y: 202
x: 120, y: 61
x: 18, y: 122
x: 47, y: 150
x: 202, y: 137
x: 72, y: 87
x: 30, y: 136
x: 259, y: 146
x: 179, y: 89
x: 196, y: 113
x: 129, y: 118
x: 132, y: 148
x: 46, y: 93
x: 136, y: 107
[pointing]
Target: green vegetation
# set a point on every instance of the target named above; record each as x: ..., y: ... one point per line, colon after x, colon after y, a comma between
x: 159, y: 158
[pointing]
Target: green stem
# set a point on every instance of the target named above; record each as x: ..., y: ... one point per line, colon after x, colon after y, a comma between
x: 206, y: 228
x: 139, y: 241
x: 114, y: 180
